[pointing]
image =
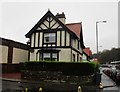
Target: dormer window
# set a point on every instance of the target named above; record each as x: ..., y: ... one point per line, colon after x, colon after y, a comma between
x: 49, y: 37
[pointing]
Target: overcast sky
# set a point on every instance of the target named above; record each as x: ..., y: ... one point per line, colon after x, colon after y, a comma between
x: 19, y: 17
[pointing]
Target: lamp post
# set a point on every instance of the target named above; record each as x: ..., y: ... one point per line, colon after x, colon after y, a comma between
x: 97, y: 33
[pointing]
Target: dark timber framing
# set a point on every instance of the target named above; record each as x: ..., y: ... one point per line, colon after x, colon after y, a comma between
x: 60, y: 38
x: 11, y: 45
x: 58, y: 47
x: 29, y: 55
x: 45, y: 25
x: 53, y: 25
x: 10, y: 54
x: 49, y: 28
x: 78, y: 45
x: 49, y: 14
x: 65, y: 38
x: 38, y: 39
x: 14, y: 44
x: 70, y: 41
x: 56, y: 39
x: 30, y: 41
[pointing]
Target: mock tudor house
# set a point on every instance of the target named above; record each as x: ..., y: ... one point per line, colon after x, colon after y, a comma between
x: 53, y: 40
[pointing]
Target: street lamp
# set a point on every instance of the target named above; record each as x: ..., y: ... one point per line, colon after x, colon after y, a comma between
x: 97, y: 33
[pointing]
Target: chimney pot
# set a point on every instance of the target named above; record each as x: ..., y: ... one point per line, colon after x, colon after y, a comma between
x: 61, y: 17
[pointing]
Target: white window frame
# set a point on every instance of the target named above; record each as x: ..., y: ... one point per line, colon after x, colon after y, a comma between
x: 51, y: 37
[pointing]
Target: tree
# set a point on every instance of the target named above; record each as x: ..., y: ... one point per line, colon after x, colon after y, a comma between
x: 108, y: 55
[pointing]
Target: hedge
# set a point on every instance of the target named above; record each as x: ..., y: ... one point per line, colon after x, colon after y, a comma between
x: 67, y: 68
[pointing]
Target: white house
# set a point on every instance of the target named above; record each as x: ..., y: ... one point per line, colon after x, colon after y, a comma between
x: 52, y: 39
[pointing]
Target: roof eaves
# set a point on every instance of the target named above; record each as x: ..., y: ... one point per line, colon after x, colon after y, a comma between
x: 36, y: 25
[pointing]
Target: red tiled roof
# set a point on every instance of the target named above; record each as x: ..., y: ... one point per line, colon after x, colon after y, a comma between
x: 75, y: 27
x: 87, y: 51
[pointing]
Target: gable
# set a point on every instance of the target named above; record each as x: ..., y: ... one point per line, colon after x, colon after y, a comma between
x: 49, y: 21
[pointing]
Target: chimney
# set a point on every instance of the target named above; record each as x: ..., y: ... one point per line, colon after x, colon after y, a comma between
x: 61, y: 17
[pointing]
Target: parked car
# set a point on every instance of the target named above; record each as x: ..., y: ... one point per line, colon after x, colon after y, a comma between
x: 108, y: 72
x: 117, y: 77
x: 117, y: 80
x: 113, y: 72
x: 106, y: 65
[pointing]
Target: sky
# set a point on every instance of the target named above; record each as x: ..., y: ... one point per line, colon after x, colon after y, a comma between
x: 19, y: 17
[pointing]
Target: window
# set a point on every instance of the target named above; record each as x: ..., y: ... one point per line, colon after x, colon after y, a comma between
x: 49, y: 37
x: 50, y: 56
x: 40, y: 56
x: 46, y: 56
x: 54, y: 56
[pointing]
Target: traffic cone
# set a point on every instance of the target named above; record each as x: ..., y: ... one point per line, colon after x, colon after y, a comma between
x: 79, y: 89
x: 100, y: 86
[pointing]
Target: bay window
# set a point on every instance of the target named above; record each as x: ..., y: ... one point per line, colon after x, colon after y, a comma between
x: 50, y: 56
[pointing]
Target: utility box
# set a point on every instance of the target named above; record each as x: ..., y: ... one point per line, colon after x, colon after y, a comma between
x: 98, y: 78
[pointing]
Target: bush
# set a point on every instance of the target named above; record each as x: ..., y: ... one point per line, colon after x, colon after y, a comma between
x: 67, y: 68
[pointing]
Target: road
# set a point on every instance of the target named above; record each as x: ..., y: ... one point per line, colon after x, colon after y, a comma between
x: 15, y: 86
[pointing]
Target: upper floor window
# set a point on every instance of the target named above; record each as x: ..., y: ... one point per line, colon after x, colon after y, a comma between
x: 49, y: 37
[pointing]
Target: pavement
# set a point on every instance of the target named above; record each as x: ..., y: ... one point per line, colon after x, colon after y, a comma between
x: 11, y: 76
x: 107, y: 83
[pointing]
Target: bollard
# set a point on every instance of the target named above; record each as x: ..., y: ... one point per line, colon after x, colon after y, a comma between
x: 100, y: 86
x: 26, y: 89
x: 79, y: 89
x: 40, y: 89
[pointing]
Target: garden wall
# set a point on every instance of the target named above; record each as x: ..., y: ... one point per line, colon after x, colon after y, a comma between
x: 10, y: 68
x: 82, y: 73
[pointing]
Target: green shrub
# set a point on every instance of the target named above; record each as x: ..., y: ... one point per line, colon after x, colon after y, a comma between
x: 67, y: 68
